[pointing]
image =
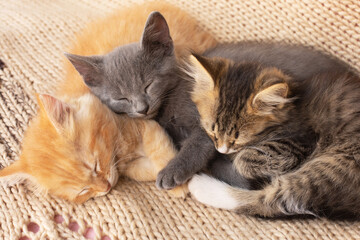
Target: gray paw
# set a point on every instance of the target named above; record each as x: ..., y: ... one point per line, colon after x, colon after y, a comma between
x: 172, y: 176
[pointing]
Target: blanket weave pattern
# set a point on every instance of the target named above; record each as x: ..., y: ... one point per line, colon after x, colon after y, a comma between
x: 33, y: 36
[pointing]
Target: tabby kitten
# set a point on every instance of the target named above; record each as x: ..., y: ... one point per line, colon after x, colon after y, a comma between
x: 303, y: 136
x: 300, y: 62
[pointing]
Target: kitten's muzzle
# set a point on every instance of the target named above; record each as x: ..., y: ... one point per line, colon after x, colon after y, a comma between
x: 225, y: 150
x: 106, y: 190
x: 108, y: 187
x: 144, y: 110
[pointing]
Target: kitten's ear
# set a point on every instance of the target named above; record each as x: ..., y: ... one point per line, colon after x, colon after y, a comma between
x: 156, y: 37
x: 206, y: 71
x: 89, y: 67
x: 270, y: 98
x: 13, y: 174
x: 58, y: 112
x: 199, y: 72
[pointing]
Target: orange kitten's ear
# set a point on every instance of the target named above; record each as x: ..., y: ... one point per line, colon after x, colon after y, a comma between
x: 90, y: 68
x: 58, y: 112
x: 156, y: 37
x: 271, y: 97
x: 13, y: 174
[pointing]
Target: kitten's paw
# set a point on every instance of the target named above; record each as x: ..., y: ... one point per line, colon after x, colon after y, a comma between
x: 212, y: 192
x: 171, y: 177
x: 180, y: 191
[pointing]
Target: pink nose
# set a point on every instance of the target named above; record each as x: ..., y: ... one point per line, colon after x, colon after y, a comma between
x: 108, y: 187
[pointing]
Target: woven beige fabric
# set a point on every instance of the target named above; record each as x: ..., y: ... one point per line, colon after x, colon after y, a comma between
x: 33, y: 35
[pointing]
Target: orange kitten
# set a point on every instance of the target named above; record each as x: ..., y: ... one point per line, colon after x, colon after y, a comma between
x: 73, y: 145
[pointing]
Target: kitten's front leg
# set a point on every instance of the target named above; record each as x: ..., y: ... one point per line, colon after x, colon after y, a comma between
x: 194, y: 155
x: 222, y: 168
x: 270, y: 158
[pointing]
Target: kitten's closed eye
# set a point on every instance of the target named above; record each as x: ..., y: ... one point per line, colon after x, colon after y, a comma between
x: 84, y: 191
x: 146, y: 89
x: 236, y: 135
x: 122, y: 99
x: 96, y: 167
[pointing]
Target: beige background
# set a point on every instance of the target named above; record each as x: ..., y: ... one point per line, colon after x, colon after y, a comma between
x: 33, y: 35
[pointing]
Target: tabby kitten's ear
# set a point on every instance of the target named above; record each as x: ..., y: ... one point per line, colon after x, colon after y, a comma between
x: 89, y: 67
x: 202, y: 77
x: 206, y: 71
x: 58, y: 112
x: 156, y: 37
x: 273, y: 92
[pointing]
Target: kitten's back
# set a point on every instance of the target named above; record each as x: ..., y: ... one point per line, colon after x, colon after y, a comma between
x: 298, y: 61
x: 332, y: 101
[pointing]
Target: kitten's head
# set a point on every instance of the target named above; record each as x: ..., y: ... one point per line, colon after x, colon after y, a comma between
x: 238, y: 102
x: 133, y: 78
x: 68, y: 149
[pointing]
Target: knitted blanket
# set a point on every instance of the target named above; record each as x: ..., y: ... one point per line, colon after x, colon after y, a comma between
x: 33, y: 36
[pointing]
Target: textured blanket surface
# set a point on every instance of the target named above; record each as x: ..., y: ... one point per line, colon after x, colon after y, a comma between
x: 33, y: 36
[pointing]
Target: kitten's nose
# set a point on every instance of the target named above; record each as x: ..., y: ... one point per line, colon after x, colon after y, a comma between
x: 108, y: 187
x: 144, y: 110
x: 223, y: 149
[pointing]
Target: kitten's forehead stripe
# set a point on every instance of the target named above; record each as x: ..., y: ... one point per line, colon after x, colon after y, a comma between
x: 120, y: 70
x: 235, y: 85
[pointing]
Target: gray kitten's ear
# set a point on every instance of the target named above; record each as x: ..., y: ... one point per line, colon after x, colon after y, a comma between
x: 156, y: 37
x: 90, y: 68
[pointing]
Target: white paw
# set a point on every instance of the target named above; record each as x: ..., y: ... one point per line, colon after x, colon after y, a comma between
x: 211, y: 191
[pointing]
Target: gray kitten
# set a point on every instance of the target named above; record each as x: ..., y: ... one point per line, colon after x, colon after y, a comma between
x: 146, y: 80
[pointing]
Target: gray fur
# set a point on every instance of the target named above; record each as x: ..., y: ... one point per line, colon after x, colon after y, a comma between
x: 121, y: 79
x: 223, y: 169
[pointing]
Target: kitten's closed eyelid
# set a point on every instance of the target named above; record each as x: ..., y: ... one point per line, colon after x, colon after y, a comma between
x: 87, y: 166
x: 122, y: 99
x: 147, y: 86
x: 85, y: 190
x: 96, y: 167
x: 236, y: 134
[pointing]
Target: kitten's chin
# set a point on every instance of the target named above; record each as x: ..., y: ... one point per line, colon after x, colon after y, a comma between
x: 225, y: 150
x: 143, y: 116
x: 151, y: 115
x: 231, y: 151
